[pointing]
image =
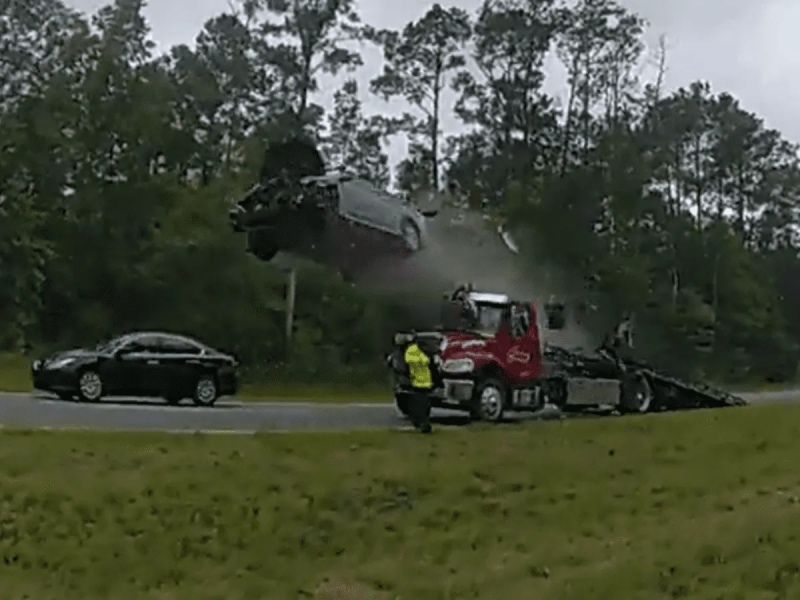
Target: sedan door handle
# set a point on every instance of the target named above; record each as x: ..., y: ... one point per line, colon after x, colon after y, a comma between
x: 152, y: 362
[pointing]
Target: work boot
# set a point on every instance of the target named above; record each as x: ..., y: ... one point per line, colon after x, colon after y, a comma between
x: 426, y: 428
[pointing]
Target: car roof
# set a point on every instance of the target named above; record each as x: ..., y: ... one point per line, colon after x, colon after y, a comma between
x: 175, y: 336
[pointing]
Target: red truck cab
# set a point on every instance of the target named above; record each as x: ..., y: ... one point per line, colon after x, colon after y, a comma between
x: 496, y: 356
x: 490, y: 357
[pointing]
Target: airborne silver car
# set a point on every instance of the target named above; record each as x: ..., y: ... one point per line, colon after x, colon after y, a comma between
x: 363, y: 203
x: 335, y: 219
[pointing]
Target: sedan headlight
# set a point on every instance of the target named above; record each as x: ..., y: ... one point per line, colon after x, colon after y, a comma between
x: 458, y: 365
x: 62, y: 362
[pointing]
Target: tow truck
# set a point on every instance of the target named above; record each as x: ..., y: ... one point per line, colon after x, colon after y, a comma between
x: 492, y: 359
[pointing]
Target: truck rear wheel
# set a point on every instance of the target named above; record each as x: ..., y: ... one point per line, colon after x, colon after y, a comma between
x: 488, y: 403
x: 636, y: 394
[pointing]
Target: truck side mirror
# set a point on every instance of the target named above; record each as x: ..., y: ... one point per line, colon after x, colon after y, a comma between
x: 556, y: 315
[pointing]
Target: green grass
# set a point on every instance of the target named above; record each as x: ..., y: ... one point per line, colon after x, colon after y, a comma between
x: 15, y: 377
x: 695, y: 505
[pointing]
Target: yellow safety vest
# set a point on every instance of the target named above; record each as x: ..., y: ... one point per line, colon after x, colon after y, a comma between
x: 419, y: 368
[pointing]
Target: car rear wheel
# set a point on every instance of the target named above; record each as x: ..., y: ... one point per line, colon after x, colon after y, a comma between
x: 261, y: 246
x: 411, y: 236
x: 90, y: 386
x: 205, y: 391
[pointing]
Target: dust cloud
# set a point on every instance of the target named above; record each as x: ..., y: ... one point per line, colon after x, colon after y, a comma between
x: 462, y: 248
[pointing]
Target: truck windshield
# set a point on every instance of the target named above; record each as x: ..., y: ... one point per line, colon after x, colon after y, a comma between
x: 490, y: 316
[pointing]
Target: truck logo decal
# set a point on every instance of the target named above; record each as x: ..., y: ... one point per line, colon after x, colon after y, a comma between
x: 517, y: 355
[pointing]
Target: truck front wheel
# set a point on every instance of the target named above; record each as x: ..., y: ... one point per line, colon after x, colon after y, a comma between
x: 488, y: 403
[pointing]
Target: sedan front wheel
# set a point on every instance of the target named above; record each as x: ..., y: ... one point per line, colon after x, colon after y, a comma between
x: 205, y: 391
x: 90, y: 386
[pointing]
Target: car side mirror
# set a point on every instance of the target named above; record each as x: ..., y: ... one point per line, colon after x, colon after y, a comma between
x: 120, y: 352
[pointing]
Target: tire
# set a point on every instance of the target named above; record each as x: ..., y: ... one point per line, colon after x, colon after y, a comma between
x: 205, y: 390
x: 412, y: 238
x: 636, y: 394
x: 90, y: 386
x: 489, y: 401
x: 259, y: 245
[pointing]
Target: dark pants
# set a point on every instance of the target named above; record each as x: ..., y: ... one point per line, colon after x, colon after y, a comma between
x: 419, y: 409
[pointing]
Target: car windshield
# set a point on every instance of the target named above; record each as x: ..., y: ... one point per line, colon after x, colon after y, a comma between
x: 109, y: 345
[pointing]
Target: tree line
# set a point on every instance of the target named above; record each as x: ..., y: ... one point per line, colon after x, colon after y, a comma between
x: 119, y: 164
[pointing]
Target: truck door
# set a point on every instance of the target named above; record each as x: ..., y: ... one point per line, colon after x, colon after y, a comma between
x: 523, y: 358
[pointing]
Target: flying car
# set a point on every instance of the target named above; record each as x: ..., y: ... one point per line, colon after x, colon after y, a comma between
x: 332, y: 218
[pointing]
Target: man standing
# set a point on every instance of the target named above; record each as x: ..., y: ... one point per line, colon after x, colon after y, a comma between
x: 421, y: 376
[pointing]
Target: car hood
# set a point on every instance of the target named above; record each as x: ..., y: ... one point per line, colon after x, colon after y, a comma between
x: 75, y: 353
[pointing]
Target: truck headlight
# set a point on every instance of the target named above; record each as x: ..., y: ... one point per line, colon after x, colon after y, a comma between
x: 458, y: 365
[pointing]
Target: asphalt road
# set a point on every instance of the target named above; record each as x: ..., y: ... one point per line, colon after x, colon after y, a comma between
x: 42, y: 411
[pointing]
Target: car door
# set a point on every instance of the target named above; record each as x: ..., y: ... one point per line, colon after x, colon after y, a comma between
x: 129, y: 372
x: 181, y: 364
x: 522, y: 359
x: 363, y: 203
x: 146, y: 369
x: 119, y: 370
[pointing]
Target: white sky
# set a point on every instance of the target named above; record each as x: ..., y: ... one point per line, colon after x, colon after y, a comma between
x: 749, y: 48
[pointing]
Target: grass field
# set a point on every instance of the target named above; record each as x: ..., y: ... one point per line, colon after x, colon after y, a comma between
x: 15, y: 377
x: 694, y: 505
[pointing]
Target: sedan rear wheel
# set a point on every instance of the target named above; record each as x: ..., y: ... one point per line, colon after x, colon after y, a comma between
x: 90, y: 386
x: 205, y: 391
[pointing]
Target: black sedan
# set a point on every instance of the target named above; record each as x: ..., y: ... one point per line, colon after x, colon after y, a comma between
x: 143, y: 364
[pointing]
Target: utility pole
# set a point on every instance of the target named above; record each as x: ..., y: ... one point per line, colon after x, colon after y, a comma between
x: 291, y: 292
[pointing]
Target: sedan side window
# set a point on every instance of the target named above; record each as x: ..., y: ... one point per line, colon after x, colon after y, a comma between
x: 178, y: 346
x: 149, y: 344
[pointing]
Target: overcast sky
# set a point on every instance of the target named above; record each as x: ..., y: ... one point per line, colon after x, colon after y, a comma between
x: 749, y: 48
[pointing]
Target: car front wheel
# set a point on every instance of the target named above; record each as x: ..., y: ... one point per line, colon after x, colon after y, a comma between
x: 90, y: 386
x: 205, y: 391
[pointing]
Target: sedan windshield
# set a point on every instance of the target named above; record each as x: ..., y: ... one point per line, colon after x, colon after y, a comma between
x: 109, y: 345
